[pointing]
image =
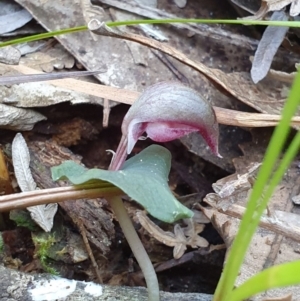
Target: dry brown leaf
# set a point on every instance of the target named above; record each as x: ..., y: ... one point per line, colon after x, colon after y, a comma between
x: 10, y: 55
x: 295, y: 8
x: 277, y: 239
x: 93, y: 55
x: 235, y: 83
x: 21, y: 161
x: 49, y: 58
x: 280, y: 222
x: 139, y: 54
x: 282, y: 76
x: 276, y: 5
x: 180, y: 239
x: 5, y: 182
x: 191, y: 231
x: 267, y: 47
x: 288, y: 297
x: 150, y: 12
x: 236, y: 183
x: 43, y: 215
x: 13, y: 18
x: 91, y: 11
x: 18, y: 119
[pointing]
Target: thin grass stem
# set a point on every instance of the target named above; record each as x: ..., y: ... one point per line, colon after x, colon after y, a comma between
x: 257, y: 203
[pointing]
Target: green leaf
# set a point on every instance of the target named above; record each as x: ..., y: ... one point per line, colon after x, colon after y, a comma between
x: 144, y: 178
x: 278, y: 276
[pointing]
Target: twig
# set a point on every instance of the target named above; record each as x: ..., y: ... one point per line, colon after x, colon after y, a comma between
x: 224, y: 116
x: 55, y: 195
x: 244, y: 119
x: 82, y: 231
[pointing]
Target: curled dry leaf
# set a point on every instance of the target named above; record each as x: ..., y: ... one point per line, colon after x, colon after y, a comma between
x: 42, y: 214
x: 180, y: 239
x: 91, y: 11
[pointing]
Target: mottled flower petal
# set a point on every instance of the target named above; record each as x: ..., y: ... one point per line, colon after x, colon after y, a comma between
x: 170, y: 110
x: 167, y: 111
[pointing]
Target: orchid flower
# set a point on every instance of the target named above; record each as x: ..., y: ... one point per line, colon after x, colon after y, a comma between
x: 167, y: 111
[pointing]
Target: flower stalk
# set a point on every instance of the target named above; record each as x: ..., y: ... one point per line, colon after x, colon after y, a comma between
x: 165, y: 111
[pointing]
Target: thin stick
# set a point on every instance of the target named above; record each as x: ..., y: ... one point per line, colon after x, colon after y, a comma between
x: 82, y: 231
x: 244, y: 119
x: 224, y: 116
x: 55, y: 195
x: 137, y: 247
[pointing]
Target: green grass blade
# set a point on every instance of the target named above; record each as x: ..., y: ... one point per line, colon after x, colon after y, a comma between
x: 284, y: 164
x: 278, y: 276
x: 42, y: 36
x: 205, y: 21
x: 288, y: 157
x: 256, y: 205
x: 150, y: 21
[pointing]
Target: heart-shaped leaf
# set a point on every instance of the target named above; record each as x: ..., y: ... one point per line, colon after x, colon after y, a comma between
x: 144, y: 178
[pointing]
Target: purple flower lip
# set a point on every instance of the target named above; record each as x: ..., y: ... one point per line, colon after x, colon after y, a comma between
x: 168, y: 111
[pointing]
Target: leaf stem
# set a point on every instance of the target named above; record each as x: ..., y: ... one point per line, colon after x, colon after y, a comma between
x: 136, y: 246
x: 120, y: 155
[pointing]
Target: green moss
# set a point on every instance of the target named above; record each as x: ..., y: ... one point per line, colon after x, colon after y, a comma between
x: 43, y: 242
x: 22, y: 219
